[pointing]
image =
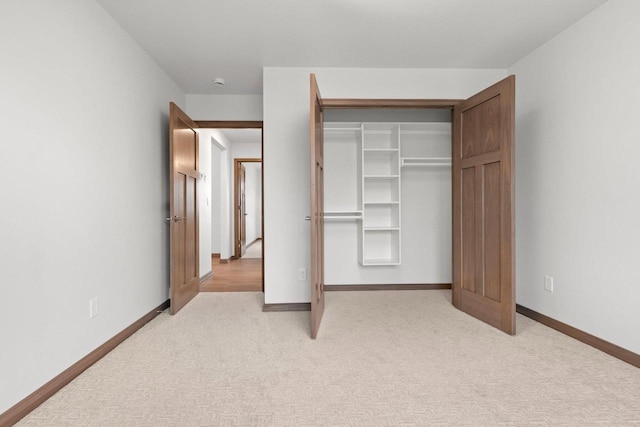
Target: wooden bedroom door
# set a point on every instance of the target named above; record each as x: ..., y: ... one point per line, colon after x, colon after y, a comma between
x: 317, y: 208
x: 183, y: 208
x: 483, y: 206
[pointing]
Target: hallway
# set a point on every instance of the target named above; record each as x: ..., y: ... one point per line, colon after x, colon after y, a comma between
x: 238, y: 275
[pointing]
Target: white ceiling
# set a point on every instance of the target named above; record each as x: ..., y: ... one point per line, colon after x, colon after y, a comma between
x: 195, y: 41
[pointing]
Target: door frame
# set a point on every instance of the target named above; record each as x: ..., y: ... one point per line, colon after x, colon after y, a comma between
x: 237, y: 163
x: 243, y: 124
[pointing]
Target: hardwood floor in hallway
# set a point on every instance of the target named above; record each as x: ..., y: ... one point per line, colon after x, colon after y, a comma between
x: 240, y: 275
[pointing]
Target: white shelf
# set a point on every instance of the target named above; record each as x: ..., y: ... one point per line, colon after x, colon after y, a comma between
x: 380, y: 262
x: 382, y: 203
x: 381, y: 228
x: 381, y: 176
x: 425, y: 161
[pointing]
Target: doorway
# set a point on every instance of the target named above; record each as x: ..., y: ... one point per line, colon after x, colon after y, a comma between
x: 247, y: 207
x: 230, y: 270
x: 482, y: 191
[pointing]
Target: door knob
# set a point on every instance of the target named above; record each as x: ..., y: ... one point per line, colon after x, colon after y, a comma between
x: 175, y: 218
x: 307, y: 218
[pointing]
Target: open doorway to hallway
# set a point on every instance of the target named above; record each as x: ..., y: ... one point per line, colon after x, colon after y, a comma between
x: 234, y: 226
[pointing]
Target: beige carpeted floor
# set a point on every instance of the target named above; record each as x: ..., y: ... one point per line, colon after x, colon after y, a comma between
x: 401, y: 358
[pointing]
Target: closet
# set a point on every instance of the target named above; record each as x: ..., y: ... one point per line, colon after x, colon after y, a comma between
x: 387, y: 197
x: 379, y: 196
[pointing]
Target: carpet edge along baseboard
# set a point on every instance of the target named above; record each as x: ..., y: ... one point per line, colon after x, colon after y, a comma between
x: 584, y: 337
x: 35, y: 399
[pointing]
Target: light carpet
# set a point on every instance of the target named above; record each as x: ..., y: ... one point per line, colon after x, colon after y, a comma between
x: 392, y: 358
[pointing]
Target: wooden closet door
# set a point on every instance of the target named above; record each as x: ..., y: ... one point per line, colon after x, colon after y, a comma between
x: 317, y: 208
x: 483, y: 206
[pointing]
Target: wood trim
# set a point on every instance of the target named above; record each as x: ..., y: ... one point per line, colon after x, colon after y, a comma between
x: 598, y: 343
x: 213, y: 256
x: 398, y: 287
x: 206, y: 276
x: 230, y: 124
x: 35, y: 399
x: 225, y: 260
x: 262, y: 199
x: 247, y: 160
x: 389, y: 103
x: 296, y: 306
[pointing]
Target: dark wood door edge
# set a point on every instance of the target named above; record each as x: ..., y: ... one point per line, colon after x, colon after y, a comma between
x: 399, y: 287
x: 35, y: 399
x: 602, y: 345
x: 296, y: 306
x: 229, y: 124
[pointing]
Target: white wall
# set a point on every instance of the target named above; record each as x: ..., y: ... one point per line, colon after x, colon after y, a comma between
x: 253, y: 183
x: 216, y: 177
x: 286, y: 150
x: 204, y: 201
x: 224, y: 107
x: 247, y: 150
x: 84, y: 184
x: 222, y: 196
x: 577, y: 175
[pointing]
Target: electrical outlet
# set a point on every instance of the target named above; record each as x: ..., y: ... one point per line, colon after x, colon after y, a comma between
x: 93, y: 307
x: 302, y: 274
x: 548, y: 283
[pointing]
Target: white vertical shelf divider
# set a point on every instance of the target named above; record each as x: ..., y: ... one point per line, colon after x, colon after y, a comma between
x: 381, y: 194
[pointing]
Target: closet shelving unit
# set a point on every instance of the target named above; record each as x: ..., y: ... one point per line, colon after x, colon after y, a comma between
x: 383, y: 150
x: 381, y: 193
